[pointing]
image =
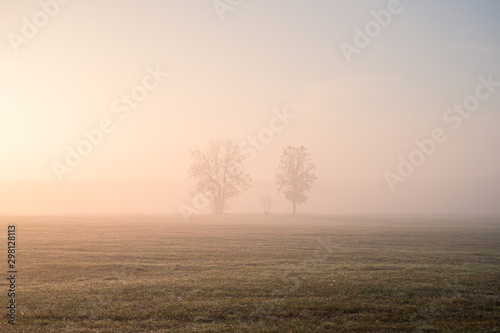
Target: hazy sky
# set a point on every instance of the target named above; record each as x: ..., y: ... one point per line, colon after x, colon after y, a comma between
x: 226, y: 78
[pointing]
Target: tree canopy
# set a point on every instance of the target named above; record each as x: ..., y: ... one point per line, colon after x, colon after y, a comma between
x: 295, y: 174
x: 218, y: 174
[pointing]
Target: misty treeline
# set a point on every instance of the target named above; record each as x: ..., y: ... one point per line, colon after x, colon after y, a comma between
x: 219, y: 175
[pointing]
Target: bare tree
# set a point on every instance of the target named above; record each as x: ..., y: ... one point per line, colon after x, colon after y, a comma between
x: 266, y: 203
x: 218, y: 173
x: 295, y: 174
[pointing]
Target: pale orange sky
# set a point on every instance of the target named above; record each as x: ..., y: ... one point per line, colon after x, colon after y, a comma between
x: 226, y: 78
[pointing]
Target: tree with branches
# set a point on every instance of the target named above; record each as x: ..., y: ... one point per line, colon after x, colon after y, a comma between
x: 218, y: 173
x: 295, y: 175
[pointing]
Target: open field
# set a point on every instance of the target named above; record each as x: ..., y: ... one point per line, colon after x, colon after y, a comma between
x: 254, y: 274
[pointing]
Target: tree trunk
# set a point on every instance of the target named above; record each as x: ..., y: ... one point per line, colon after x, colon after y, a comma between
x: 294, y: 206
x: 219, y: 206
x: 216, y: 206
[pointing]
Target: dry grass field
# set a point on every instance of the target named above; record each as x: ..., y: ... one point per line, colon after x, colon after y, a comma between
x: 254, y: 274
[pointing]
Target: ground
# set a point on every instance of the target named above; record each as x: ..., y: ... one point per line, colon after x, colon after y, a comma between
x: 254, y: 274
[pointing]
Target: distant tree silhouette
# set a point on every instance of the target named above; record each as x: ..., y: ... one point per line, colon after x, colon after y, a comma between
x: 218, y: 173
x: 295, y: 175
x: 266, y: 203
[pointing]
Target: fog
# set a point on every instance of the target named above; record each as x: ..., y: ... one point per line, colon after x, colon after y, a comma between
x: 453, y: 197
x: 100, y: 108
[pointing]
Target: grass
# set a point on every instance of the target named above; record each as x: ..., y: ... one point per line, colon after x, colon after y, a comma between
x: 255, y: 274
